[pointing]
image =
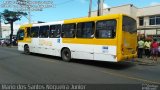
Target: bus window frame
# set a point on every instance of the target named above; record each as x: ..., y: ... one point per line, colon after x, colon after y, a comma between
x: 56, y: 30
x: 116, y: 24
x: 75, y: 29
x: 37, y: 33
x: 93, y: 32
x: 46, y: 30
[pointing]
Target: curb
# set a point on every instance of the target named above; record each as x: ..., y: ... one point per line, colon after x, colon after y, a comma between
x: 147, y: 62
x: 10, y: 46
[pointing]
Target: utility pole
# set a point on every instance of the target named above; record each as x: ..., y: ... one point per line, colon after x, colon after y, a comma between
x: 28, y: 6
x: 29, y: 11
x: 90, y: 8
x: 100, y: 7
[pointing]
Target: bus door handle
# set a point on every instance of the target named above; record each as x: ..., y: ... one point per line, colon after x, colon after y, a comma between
x: 91, y: 53
x: 39, y: 47
x: 45, y: 48
x: 73, y: 51
x: 53, y: 49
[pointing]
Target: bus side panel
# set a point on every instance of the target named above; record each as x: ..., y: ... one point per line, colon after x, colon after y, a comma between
x: 21, y: 46
x: 80, y: 51
x: 92, y: 52
x: 92, y: 49
x: 105, y: 53
x: 48, y: 46
x: 34, y: 45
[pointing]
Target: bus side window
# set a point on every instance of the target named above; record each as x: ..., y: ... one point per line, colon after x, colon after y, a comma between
x: 55, y: 31
x: 106, y: 29
x: 68, y: 30
x: 28, y: 32
x: 44, y: 31
x: 85, y: 30
x: 34, y: 32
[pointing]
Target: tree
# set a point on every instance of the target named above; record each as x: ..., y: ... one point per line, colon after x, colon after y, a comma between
x: 10, y: 17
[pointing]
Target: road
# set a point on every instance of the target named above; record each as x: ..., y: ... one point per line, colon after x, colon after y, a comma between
x: 15, y: 67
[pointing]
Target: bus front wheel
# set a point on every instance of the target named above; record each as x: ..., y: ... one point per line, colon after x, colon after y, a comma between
x: 66, y: 54
x: 26, y: 50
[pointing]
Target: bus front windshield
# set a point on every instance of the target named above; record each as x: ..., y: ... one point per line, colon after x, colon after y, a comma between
x: 20, y: 34
x: 129, y: 24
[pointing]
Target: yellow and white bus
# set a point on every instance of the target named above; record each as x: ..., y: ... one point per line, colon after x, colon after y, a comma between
x: 110, y: 38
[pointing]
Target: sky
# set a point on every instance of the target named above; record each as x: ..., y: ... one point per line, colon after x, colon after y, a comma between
x: 67, y: 9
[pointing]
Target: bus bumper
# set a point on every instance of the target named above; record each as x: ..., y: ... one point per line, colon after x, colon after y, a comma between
x: 127, y: 57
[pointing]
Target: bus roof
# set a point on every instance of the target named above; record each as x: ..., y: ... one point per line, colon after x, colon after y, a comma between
x: 75, y: 20
x: 94, y: 18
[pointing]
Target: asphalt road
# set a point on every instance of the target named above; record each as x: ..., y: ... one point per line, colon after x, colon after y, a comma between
x: 15, y: 67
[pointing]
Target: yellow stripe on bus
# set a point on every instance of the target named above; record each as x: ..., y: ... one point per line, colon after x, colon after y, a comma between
x: 92, y: 41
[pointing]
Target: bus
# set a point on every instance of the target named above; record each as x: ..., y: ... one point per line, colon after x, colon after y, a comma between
x: 111, y: 38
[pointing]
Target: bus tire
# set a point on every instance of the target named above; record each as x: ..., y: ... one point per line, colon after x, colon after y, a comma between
x: 66, y: 54
x: 26, y: 50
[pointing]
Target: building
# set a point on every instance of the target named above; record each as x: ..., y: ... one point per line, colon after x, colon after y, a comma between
x: 6, y: 31
x: 148, y: 18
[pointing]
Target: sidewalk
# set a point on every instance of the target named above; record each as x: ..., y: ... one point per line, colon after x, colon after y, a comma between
x: 147, y: 61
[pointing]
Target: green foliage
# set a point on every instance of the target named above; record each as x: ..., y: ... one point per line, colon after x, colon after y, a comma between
x: 12, y: 16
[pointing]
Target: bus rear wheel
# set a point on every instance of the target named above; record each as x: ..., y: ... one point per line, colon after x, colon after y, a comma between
x: 26, y: 50
x: 66, y: 54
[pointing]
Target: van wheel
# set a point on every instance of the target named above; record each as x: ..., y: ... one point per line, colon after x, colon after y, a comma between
x: 66, y: 55
x: 26, y: 50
